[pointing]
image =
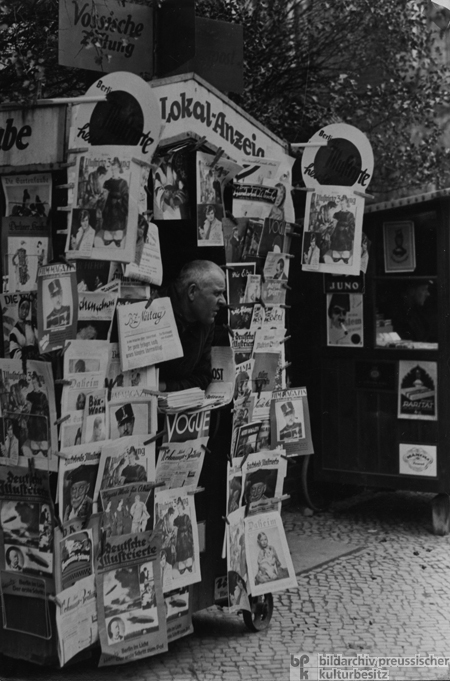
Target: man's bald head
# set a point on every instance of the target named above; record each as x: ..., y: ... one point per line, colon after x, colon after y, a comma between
x: 201, y: 290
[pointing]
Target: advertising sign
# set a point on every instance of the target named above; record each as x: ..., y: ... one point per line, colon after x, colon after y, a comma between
x: 32, y: 135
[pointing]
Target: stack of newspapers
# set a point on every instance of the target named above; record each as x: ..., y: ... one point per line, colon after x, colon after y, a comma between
x: 182, y: 399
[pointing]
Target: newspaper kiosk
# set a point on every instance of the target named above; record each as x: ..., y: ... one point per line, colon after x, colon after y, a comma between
x: 380, y: 411
x: 195, y: 116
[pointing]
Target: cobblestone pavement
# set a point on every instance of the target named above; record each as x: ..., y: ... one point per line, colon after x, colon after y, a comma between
x: 392, y: 598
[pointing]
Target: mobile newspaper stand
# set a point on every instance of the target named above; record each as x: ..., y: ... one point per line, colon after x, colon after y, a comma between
x: 78, y: 506
x: 377, y: 345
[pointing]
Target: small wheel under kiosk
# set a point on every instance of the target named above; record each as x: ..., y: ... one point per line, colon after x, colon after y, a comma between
x: 262, y: 609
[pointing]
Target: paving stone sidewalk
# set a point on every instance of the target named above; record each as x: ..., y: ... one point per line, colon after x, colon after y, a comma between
x: 390, y: 599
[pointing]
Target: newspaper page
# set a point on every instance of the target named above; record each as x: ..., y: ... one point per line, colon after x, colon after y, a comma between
x: 132, y: 411
x: 148, y: 335
x: 131, y: 613
x: 176, y: 524
x: 187, y: 426
x: 263, y: 479
x: 57, y: 311
x: 269, y: 561
x: 144, y: 377
x: 417, y: 390
x: 25, y: 243
x: 76, y: 480
x: 28, y: 414
x: 333, y: 231
x: 180, y: 463
x: 148, y: 266
x: 76, y: 618
x: 124, y: 461
x: 236, y: 562
x: 263, y: 189
x: 27, y: 527
x: 104, y: 216
x: 95, y: 315
x: 290, y: 425
x: 19, y: 317
x: 127, y: 510
x: 85, y: 370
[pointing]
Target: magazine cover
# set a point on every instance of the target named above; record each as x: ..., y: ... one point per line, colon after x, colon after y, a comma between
x: 267, y: 339
x: 252, y: 240
x: 184, y: 426
x: 246, y: 438
x: 57, y: 310
x: 333, y: 231
x: 242, y: 344
x: 148, y: 265
x: 263, y: 189
x: 268, y: 317
x: 289, y: 421
x: 76, y: 481
x: 233, y: 234
x: 27, y: 195
x: 221, y: 389
x: 170, y: 188
x: 147, y: 334
x: 132, y: 412
x: 76, y: 618
x: 131, y: 613
x: 28, y: 414
x: 273, y: 292
x: 240, y: 317
x: 27, y: 524
x: 180, y: 463
x: 178, y: 605
x: 236, y: 562
x: 144, y: 377
x: 125, y: 461
x: 263, y: 478
x: 234, y: 485
x: 176, y: 525
x: 95, y: 315
x: 417, y: 390
x: 269, y: 561
x: 253, y: 288
x: 25, y: 246
x: 345, y: 319
x: 19, y: 317
x: 25, y: 600
x: 276, y: 266
x: 127, y: 509
x: 95, y: 417
x: 266, y: 375
x: 74, y: 557
x: 92, y: 275
x: 237, y: 274
x: 104, y: 217
x: 274, y: 237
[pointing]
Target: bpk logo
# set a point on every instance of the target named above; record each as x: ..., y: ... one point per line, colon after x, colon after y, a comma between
x: 304, y: 666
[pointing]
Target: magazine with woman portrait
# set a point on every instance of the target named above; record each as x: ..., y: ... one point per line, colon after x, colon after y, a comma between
x: 103, y: 220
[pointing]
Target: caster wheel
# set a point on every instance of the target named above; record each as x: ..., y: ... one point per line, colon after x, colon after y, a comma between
x: 262, y: 608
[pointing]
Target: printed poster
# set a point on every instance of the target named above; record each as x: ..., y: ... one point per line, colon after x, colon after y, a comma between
x: 131, y: 613
x: 345, y: 319
x: 333, y: 231
x: 104, y: 216
x: 399, y: 246
x: 417, y: 390
x: 25, y: 243
x: 289, y: 420
x: 269, y: 561
x: 148, y: 334
x: 57, y: 311
x: 418, y: 459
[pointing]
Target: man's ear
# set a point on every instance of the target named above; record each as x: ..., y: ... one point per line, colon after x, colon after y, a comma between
x: 191, y: 291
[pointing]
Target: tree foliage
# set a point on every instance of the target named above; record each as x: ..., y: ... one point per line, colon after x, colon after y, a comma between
x: 307, y: 63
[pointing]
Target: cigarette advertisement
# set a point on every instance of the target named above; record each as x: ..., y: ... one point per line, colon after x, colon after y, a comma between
x: 176, y: 525
x: 147, y: 334
x: 57, y: 311
x: 269, y: 561
x: 417, y: 390
x: 28, y: 414
x: 289, y: 420
x: 131, y: 613
x: 180, y: 463
x: 25, y: 245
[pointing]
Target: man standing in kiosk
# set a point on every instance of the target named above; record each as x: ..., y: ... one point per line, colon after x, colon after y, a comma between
x: 197, y: 295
